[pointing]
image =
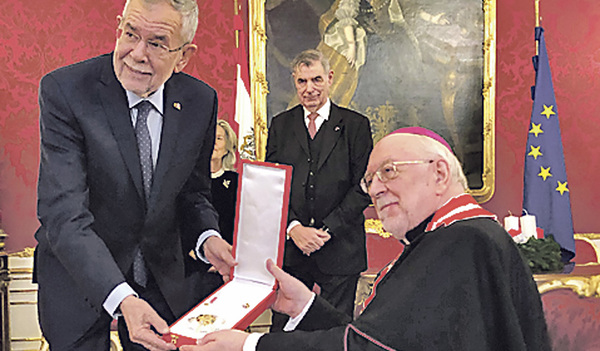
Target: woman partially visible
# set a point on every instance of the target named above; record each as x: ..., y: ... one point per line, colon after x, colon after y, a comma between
x: 224, y: 178
x: 224, y: 193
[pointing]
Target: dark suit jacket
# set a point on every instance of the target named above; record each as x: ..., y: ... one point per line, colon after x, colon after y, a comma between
x: 91, y: 201
x: 339, y: 202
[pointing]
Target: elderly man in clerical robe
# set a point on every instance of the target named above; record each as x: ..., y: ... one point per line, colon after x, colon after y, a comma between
x: 459, y: 284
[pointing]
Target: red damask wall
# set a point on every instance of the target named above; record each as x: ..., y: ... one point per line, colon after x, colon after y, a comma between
x: 38, y: 36
x: 572, y: 33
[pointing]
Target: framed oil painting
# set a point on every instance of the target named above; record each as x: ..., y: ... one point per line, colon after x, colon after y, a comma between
x: 399, y: 62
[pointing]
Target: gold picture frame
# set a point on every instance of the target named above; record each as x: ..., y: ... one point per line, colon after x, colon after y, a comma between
x: 484, y: 174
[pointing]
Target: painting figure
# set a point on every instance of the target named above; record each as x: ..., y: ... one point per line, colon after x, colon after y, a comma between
x: 404, y: 63
x: 414, y: 60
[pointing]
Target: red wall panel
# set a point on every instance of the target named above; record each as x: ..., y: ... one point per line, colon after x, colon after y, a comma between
x: 572, y: 33
x: 39, y: 36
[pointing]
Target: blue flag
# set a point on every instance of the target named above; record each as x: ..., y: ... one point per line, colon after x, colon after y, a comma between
x: 546, y: 190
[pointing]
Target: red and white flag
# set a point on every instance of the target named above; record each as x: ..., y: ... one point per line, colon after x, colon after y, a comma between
x: 243, y: 105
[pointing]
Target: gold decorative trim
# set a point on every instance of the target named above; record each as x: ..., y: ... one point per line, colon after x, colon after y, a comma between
x: 115, y: 342
x: 363, y: 290
x: 3, y: 236
x: 488, y: 175
x: 584, y: 237
x: 374, y: 226
x: 259, y: 89
x: 23, y: 291
x: 26, y: 339
x: 20, y: 303
x: 26, y: 252
x: 27, y: 277
x: 582, y: 286
x: 590, y: 236
x: 258, y: 82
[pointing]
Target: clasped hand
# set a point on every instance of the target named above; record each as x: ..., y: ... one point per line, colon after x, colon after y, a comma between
x: 309, y: 239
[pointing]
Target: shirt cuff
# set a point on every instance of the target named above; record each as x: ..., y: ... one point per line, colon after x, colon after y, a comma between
x: 293, y: 322
x: 116, y: 296
x: 290, y: 227
x: 251, y: 342
x: 207, y: 234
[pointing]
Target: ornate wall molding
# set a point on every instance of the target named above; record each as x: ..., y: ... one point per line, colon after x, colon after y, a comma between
x: 590, y: 236
x: 26, y: 252
x: 374, y: 226
x: 258, y: 82
x: 583, y: 286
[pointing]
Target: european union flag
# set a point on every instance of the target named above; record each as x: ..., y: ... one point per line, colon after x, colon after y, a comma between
x: 546, y: 190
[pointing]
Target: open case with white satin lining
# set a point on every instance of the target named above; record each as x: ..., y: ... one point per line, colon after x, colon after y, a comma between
x: 261, y: 221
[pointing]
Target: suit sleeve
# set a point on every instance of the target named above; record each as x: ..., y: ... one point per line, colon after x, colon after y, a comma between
x: 323, y: 328
x: 195, y: 199
x: 355, y: 200
x: 63, y: 198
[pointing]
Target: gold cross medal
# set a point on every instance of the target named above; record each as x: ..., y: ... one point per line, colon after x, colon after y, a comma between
x: 205, y: 323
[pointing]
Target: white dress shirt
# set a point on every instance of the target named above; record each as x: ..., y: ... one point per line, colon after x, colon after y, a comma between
x: 323, y: 115
x: 155, y: 123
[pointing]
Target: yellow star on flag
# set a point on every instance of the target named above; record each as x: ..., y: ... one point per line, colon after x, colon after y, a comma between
x: 536, y: 129
x: 562, y: 187
x: 548, y: 111
x: 535, y: 152
x: 545, y: 173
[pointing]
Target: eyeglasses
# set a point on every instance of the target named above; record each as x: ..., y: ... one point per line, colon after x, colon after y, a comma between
x: 153, y: 47
x: 386, y: 173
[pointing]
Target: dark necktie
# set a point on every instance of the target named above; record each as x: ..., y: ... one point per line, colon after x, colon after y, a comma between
x: 312, y: 127
x: 142, y: 134
x: 144, y: 142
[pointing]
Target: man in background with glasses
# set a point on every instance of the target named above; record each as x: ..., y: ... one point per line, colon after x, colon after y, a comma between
x: 459, y: 284
x: 123, y: 193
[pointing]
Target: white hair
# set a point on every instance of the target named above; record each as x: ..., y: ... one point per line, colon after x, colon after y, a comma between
x: 434, y: 147
x: 189, y: 15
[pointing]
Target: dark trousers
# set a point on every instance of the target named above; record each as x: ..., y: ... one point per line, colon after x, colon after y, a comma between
x: 96, y: 338
x: 338, y: 290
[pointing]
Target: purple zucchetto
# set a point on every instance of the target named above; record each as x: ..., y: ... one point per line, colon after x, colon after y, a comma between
x: 425, y: 132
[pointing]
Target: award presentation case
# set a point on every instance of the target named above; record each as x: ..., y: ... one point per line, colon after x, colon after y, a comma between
x: 259, y: 234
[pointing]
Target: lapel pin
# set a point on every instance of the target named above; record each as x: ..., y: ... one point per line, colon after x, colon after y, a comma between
x: 337, y: 128
x: 177, y: 106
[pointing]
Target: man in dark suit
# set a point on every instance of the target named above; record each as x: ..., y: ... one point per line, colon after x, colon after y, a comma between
x: 124, y: 184
x: 329, y: 147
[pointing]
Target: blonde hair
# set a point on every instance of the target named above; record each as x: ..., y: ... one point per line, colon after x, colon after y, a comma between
x: 230, y: 145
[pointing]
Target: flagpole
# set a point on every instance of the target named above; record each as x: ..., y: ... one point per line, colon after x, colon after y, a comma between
x: 237, y: 32
x: 547, y: 199
x: 537, y: 23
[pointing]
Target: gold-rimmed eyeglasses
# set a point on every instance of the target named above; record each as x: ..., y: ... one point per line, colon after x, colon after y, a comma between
x: 387, y: 172
x: 153, y: 47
